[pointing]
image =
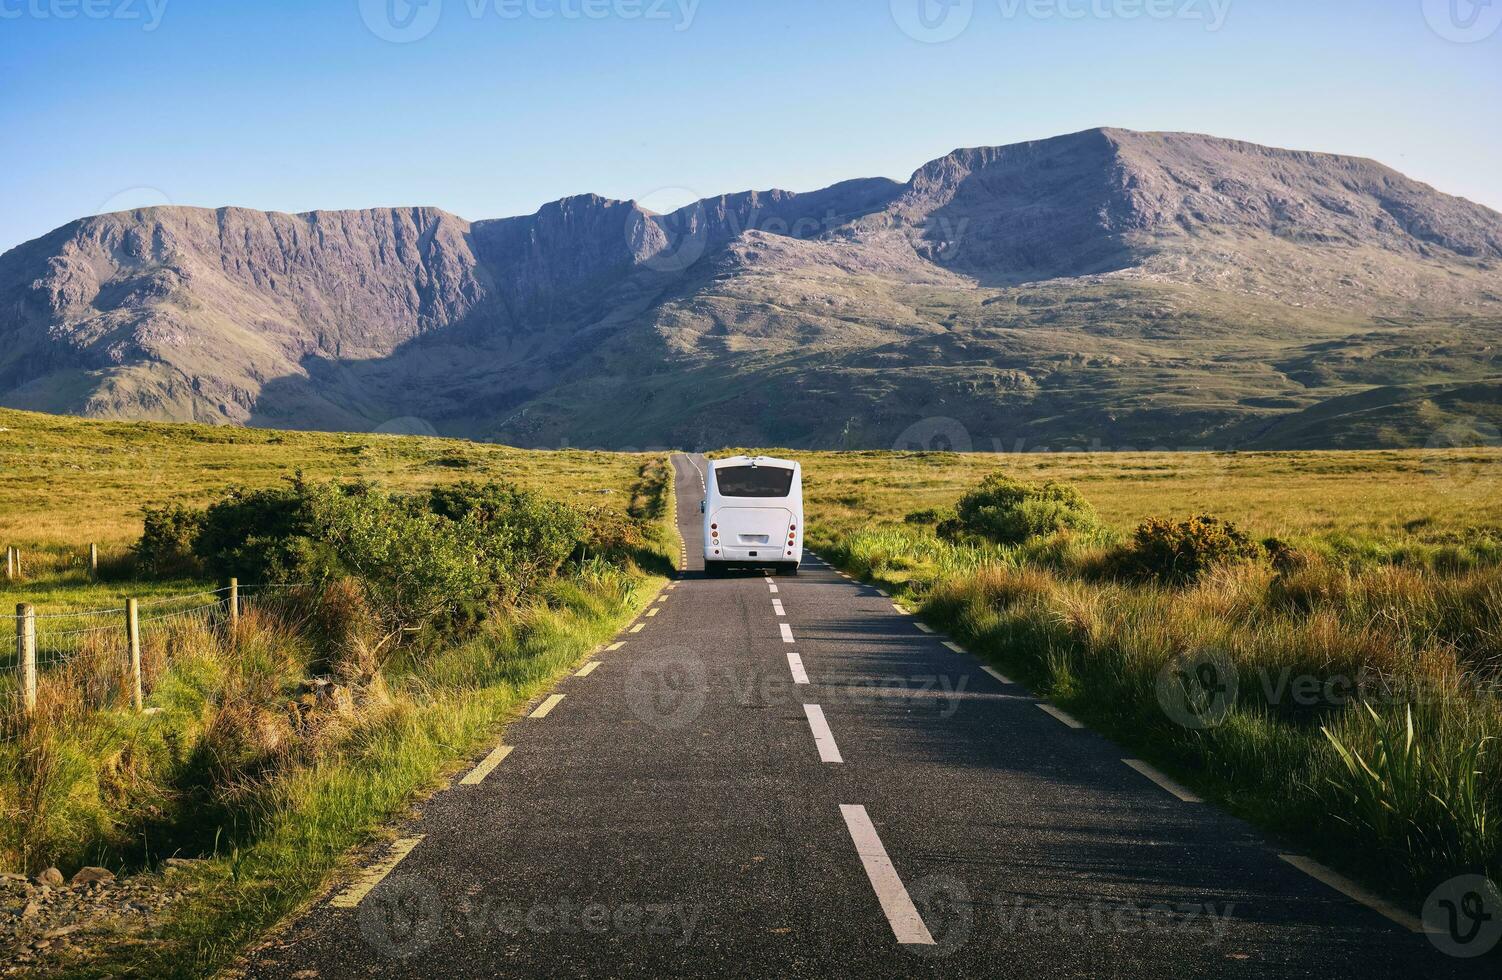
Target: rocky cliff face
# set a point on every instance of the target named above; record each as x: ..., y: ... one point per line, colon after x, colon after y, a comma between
x: 504, y: 327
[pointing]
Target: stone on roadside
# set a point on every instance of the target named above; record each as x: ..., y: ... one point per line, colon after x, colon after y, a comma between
x: 51, y: 877
x: 92, y: 874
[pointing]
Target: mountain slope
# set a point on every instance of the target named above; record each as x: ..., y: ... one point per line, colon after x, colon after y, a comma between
x: 1104, y: 288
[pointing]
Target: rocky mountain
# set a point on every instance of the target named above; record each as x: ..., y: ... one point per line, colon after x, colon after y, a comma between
x: 1107, y: 288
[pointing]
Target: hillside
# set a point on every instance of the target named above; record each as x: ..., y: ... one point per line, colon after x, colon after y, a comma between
x: 1107, y: 288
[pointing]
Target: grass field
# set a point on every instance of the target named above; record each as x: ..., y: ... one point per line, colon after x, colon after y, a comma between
x: 65, y: 482
x: 1420, y: 496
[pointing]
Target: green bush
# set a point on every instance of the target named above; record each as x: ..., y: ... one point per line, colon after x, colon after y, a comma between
x: 929, y: 517
x: 1011, y: 512
x: 1180, y: 552
x: 519, y: 536
x: 434, y: 560
x: 166, y: 545
x: 262, y: 535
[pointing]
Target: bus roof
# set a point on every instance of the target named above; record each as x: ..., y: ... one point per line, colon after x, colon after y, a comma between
x: 755, y: 461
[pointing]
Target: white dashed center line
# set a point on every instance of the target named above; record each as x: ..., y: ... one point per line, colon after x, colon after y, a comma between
x: 777, y: 607
x: 546, y: 706
x: 773, y: 587
x: 787, y: 633
x: 907, y: 925
x: 795, y: 664
x: 823, y: 737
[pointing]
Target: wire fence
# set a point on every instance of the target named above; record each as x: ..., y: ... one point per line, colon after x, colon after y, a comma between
x: 110, y: 657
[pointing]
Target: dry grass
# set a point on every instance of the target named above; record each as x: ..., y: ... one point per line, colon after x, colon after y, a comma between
x: 65, y: 482
x: 1422, y: 496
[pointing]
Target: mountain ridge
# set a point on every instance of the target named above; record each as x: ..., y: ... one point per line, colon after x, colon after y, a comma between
x: 597, y: 320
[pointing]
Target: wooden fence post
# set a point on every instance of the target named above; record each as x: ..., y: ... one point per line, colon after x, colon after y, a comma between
x: 93, y: 562
x: 26, y: 654
x: 234, y: 606
x: 10, y: 563
x: 133, y: 635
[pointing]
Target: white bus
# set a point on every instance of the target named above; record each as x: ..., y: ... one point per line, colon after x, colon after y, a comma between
x: 753, y: 514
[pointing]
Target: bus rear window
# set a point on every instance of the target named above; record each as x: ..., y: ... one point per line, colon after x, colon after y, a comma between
x: 754, y: 481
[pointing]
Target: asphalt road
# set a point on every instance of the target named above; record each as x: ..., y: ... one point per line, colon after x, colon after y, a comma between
x: 691, y: 807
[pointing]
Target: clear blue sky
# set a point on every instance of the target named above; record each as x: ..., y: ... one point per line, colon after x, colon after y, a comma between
x: 292, y: 106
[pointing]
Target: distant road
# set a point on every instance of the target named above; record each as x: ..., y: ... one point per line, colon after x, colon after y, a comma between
x: 788, y: 777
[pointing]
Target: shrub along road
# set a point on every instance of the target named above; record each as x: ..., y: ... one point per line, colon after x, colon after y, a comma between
x: 789, y: 776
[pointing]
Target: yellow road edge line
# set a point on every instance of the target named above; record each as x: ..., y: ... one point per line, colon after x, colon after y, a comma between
x: 587, y: 669
x: 954, y: 646
x: 374, y: 875
x: 616, y: 645
x: 924, y: 627
x: 486, y: 766
x: 637, y: 628
x: 1354, y: 892
x: 547, y: 706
